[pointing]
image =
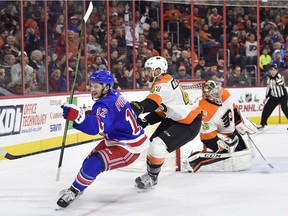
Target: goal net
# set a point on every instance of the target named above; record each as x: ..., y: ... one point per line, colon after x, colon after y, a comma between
x: 174, y: 160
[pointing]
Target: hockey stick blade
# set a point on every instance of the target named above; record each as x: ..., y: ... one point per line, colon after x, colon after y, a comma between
x: 88, y: 13
x: 9, y: 156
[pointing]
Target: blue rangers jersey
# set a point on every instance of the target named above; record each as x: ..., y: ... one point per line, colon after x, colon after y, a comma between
x: 113, y: 118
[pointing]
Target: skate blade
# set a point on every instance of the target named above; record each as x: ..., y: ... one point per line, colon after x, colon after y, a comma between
x: 139, y: 190
x: 59, y: 208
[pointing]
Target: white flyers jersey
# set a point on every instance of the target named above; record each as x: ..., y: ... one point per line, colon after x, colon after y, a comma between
x: 173, y: 101
x: 217, y: 119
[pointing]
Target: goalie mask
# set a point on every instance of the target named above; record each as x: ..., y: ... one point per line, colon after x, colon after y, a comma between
x: 212, y: 91
x: 154, y: 63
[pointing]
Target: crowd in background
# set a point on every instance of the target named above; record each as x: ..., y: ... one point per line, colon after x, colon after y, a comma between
x: 120, y: 38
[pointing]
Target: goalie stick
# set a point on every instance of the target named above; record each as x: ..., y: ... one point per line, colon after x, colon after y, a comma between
x: 85, y: 18
x: 270, y: 165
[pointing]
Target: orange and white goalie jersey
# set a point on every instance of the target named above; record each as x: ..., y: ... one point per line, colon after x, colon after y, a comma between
x: 217, y: 119
x: 173, y: 101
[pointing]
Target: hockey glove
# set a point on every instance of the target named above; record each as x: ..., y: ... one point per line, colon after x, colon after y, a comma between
x: 136, y: 107
x: 142, y: 122
x: 73, y: 113
x: 227, y: 143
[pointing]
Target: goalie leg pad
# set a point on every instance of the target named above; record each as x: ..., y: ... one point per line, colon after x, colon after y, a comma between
x: 227, y: 162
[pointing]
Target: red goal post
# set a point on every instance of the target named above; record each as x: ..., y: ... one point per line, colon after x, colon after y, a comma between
x: 194, y: 89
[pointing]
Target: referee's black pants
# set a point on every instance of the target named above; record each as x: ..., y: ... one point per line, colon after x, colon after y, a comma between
x: 271, y: 104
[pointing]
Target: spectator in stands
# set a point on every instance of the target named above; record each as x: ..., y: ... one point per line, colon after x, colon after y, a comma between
x: 215, y: 19
x: 74, y: 24
x: 251, y: 47
x: 139, y: 79
x: 249, y: 28
x: 153, y: 31
x: 206, y: 37
x: 58, y: 27
x: 185, y: 60
x: 234, y: 33
x: 150, y: 46
x: 126, y: 81
x: 38, y: 65
x: 230, y: 19
x: 237, y: 56
x: 16, y: 84
x: 98, y: 63
x: 206, y: 73
x: 80, y: 80
x: 277, y: 60
x: 131, y: 33
x: 238, y: 78
x: 92, y: 45
x: 172, y: 13
x: 10, y: 40
x: 57, y: 82
x: 198, y: 74
x: 284, y: 18
x: 215, y: 25
x: 278, y: 46
x: 73, y: 43
x: 3, y: 35
x: 3, y: 78
x: 99, y: 33
x: 32, y: 39
x: 182, y: 75
x: 265, y: 61
x: 268, y: 44
x: 286, y: 59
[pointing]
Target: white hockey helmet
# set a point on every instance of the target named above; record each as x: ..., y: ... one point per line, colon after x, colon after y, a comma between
x: 212, y: 91
x: 156, y: 62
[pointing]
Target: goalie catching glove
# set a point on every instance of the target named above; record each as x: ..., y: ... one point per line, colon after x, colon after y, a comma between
x: 227, y: 143
x: 73, y: 113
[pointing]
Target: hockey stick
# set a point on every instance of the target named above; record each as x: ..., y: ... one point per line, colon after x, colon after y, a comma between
x: 85, y: 18
x: 270, y: 165
x: 9, y: 156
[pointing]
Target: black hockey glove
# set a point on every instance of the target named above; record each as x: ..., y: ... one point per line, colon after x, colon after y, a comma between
x: 137, y: 107
x: 142, y: 122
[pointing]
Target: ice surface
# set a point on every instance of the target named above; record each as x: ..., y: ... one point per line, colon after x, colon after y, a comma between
x: 28, y: 186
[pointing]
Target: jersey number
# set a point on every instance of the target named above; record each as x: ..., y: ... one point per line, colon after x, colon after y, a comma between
x: 185, y: 94
x: 130, y: 118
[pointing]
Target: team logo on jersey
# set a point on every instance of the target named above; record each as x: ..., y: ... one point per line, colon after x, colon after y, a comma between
x: 226, y: 118
x: 205, y: 126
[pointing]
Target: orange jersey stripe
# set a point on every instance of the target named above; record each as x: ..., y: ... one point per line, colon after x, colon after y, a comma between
x: 156, y: 161
x: 191, y: 116
x: 208, y: 136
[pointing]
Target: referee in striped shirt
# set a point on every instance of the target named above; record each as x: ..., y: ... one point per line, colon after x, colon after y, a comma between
x: 276, y: 94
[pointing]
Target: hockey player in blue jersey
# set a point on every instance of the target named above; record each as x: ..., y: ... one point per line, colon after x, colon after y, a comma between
x: 112, y: 117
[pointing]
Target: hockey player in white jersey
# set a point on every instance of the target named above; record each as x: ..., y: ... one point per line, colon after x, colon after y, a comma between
x: 224, y: 133
x: 169, y: 104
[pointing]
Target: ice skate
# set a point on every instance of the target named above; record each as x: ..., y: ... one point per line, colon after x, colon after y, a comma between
x: 146, y: 181
x: 67, y: 197
x: 260, y: 127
